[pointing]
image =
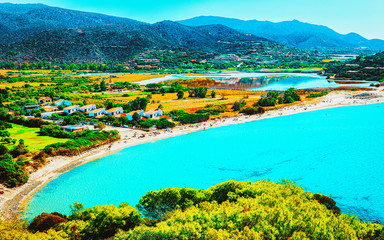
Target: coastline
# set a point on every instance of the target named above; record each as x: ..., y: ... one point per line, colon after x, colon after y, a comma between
x: 15, y: 199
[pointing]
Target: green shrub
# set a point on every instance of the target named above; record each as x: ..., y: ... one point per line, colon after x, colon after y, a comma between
x: 266, y: 102
x: 155, y: 204
x: 213, y: 109
x: 248, y: 210
x: 253, y: 110
x: 12, y: 172
x: 101, y: 222
x: 189, y: 118
x: 83, y: 141
x: 316, y: 95
x: 238, y: 105
x: 163, y: 123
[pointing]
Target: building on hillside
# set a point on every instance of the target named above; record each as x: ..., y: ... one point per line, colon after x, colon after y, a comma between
x: 130, y: 115
x: 29, y: 108
x: 46, y: 115
x: 73, y: 128
x: 71, y: 109
x: 88, y: 108
x: 114, y: 111
x: 153, y: 113
x: 96, y: 112
x: 50, y: 108
x: 63, y: 102
x: 45, y: 100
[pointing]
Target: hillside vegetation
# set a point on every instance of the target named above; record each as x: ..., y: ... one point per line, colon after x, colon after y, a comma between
x: 229, y: 210
x: 369, y: 68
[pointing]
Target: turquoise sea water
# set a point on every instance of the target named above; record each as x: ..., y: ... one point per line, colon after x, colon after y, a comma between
x: 337, y: 152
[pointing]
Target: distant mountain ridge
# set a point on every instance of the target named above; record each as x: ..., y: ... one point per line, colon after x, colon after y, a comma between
x: 292, y: 33
x: 39, y: 32
x: 35, y: 32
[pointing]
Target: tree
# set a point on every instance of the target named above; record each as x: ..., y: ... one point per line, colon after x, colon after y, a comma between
x: 4, y: 134
x: 180, y: 94
x: 20, y: 149
x: 136, y: 117
x: 103, y: 86
x: 291, y: 96
x: 238, y: 105
x: 3, y: 150
x: 213, y: 94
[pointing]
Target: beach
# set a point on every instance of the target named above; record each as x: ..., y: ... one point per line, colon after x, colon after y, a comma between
x: 14, y: 199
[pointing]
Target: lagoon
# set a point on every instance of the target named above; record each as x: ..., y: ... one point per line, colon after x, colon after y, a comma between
x: 266, y: 81
x: 335, y: 151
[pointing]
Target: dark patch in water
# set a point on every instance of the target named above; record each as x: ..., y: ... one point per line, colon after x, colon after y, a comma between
x: 230, y: 170
x: 282, y: 162
x: 256, y: 174
x: 297, y: 179
x: 366, y: 198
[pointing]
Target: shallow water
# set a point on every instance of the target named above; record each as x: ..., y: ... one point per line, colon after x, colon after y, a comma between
x: 275, y: 81
x: 337, y: 152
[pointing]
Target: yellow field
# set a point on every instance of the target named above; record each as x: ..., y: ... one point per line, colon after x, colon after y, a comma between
x: 17, y: 84
x: 4, y: 71
x: 170, y: 102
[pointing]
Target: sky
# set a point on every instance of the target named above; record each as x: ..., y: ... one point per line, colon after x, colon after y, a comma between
x: 364, y: 17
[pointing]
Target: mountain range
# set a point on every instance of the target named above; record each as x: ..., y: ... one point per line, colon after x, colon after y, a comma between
x: 292, y: 33
x: 39, y: 32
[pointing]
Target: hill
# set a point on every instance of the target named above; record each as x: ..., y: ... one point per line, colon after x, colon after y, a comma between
x: 370, y: 68
x: 293, y: 33
x: 36, y: 32
x: 20, y: 21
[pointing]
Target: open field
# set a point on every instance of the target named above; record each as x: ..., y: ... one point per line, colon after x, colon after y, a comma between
x: 31, y: 137
x: 18, y: 84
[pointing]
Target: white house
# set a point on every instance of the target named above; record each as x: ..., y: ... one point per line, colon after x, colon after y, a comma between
x: 96, y: 112
x: 130, y: 115
x: 88, y: 108
x: 114, y: 111
x: 153, y: 113
x: 71, y: 109
x: 63, y: 102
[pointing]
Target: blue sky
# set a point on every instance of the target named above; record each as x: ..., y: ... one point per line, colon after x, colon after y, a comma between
x: 364, y: 17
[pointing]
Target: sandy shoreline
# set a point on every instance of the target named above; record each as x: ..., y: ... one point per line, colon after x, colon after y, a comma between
x: 15, y: 199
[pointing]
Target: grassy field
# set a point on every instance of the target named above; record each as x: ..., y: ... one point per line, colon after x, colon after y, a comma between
x: 33, y: 141
x: 18, y: 84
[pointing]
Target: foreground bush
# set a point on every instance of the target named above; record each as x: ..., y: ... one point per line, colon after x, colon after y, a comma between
x: 46, y: 221
x: 246, y: 210
x: 229, y: 210
x: 101, y: 222
x: 14, y: 229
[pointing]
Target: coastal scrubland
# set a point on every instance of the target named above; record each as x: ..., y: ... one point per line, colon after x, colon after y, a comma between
x: 228, y: 210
